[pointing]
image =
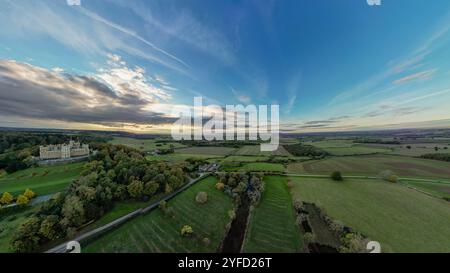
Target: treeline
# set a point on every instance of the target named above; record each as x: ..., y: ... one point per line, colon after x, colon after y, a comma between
x: 228, y: 143
x: 437, y: 156
x: 18, y: 149
x: 305, y: 150
x: 117, y: 173
x: 376, y: 141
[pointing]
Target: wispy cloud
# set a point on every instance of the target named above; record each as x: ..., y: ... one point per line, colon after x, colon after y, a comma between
x: 416, y: 76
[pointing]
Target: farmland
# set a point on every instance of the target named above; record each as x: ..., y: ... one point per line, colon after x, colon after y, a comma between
x: 180, y: 157
x: 347, y: 147
x: 156, y: 232
x: 145, y: 145
x: 280, y: 233
x: 373, y: 165
x: 256, y: 150
x: 218, y: 151
x: 42, y: 180
x: 262, y: 167
x: 401, y: 219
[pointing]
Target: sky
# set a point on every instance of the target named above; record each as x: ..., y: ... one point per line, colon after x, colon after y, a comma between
x: 125, y: 65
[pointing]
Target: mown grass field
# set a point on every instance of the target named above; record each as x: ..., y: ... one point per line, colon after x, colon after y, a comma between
x: 180, y: 157
x: 347, y: 147
x: 244, y: 158
x: 9, y: 224
x: 401, y: 219
x: 272, y: 225
x: 374, y: 164
x: 221, y: 151
x: 156, y: 232
x: 262, y: 167
x: 441, y: 190
x: 42, y: 180
x: 256, y: 150
x: 144, y: 144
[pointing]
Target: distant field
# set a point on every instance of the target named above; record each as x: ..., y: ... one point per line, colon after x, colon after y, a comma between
x: 244, y: 158
x: 180, y: 157
x: 256, y: 150
x: 441, y: 190
x: 401, y: 219
x: 374, y: 164
x: 9, y: 224
x: 155, y: 232
x: 42, y: 180
x: 144, y: 144
x: 206, y: 150
x: 272, y: 225
x: 420, y: 149
x: 262, y: 166
x: 347, y: 147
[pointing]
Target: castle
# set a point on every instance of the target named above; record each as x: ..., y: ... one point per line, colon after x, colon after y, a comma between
x: 63, y: 151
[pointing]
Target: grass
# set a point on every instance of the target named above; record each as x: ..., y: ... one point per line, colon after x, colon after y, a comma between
x: 256, y: 150
x: 347, y: 147
x: 440, y: 190
x: 42, y: 180
x: 272, y: 224
x: 9, y: 224
x: 180, y: 157
x: 401, y: 219
x: 155, y: 232
x: 244, y: 158
x: 262, y: 166
x: 373, y: 165
x: 222, y: 151
x: 144, y: 144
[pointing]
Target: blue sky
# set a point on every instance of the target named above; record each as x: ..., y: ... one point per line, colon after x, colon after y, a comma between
x: 120, y: 64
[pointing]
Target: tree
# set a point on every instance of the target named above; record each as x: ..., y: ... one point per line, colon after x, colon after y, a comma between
x: 336, y: 176
x: 136, y: 188
x: 73, y: 212
x: 50, y: 228
x: 150, y: 188
x: 220, y: 186
x: 22, y: 200
x: 26, y: 238
x: 29, y: 194
x: 186, y: 230
x: 6, y: 199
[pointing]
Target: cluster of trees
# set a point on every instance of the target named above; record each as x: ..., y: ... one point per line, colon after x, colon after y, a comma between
x: 116, y: 173
x: 241, y: 184
x: 17, y: 149
x: 305, y: 150
x: 22, y: 199
x: 438, y: 156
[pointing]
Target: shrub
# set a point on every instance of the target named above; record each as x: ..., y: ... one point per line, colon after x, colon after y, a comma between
x: 206, y: 241
x: 336, y: 176
x: 231, y: 214
x: 22, y: 200
x: 150, y: 188
x: 163, y: 205
x: 202, y: 197
x: 186, y: 230
x: 29, y: 194
x: 6, y: 199
x: 309, y: 237
x: 290, y: 184
x: 220, y: 186
x: 392, y: 178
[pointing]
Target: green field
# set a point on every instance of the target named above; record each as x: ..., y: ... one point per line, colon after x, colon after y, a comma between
x: 401, y: 219
x: 244, y: 158
x: 441, y: 190
x: 156, y: 232
x: 42, y: 180
x: 347, y: 147
x: 272, y: 223
x: 218, y: 151
x: 374, y: 164
x: 256, y: 150
x: 180, y: 157
x: 262, y: 167
x: 144, y: 144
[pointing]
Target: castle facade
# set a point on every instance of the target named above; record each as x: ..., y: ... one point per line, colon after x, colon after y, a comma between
x: 63, y: 151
